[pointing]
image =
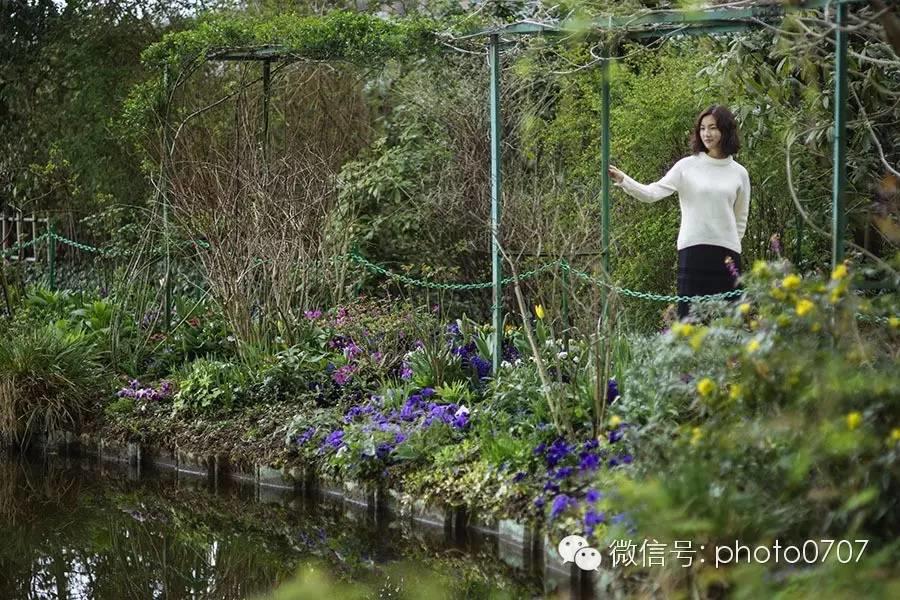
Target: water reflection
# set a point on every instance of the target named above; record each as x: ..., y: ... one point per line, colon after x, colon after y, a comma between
x: 76, y: 529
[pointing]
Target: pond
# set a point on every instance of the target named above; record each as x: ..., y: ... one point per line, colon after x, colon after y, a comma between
x: 76, y: 528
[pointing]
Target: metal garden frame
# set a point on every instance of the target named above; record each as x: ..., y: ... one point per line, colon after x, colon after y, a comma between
x: 648, y: 25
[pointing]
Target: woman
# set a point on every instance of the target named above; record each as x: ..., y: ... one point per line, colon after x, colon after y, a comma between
x: 714, y: 193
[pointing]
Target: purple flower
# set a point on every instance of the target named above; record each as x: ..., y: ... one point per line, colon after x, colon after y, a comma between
x: 519, y: 476
x: 775, y: 244
x: 482, y: 367
x: 540, y: 448
x: 589, y: 461
x: 560, y: 504
x: 593, y: 518
x: 335, y: 439
x: 453, y: 328
x: 557, y: 451
x: 166, y: 388
x: 732, y: 268
x: 305, y: 436
x: 539, y: 502
x: 406, y: 371
x: 591, y: 444
x: 427, y: 392
x: 134, y: 384
x: 351, y: 350
x: 399, y: 438
x: 615, y: 435
x: 461, y: 418
x: 343, y: 375
x: 312, y: 315
x: 593, y: 495
x: 612, y: 390
x: 377, y: 356
x: 551, y: 487
x: 563, y: 472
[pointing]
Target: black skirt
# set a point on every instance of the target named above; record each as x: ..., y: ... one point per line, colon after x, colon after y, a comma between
x: 702, y: 270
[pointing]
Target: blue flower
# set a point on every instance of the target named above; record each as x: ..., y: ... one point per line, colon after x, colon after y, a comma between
x: 482, y: 367
x: 615, y: 435
x: 305, y: 436
x: 591, y: 444
x: 593, y: 495
x: 560, y: 504
x: 427, y: 392
x: 563, y: 472
x: 593, y: 518
x: 540, y: 448
x: 557, y: 451
x: 589, y: 461
x: 612, y: 390
x: 551, y: 487
x: 335, y: 439
x: 519, y: 476
x: 539, y: 502
x: 399, y: 438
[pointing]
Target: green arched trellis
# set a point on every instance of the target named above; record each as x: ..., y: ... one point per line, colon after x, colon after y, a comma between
x: 661, y: 24
x: 322, y: 39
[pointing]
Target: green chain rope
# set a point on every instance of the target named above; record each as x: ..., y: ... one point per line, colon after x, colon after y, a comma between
x: 562, y: 264
x: 13, y: 249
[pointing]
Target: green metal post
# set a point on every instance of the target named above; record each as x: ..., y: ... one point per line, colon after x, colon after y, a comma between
x: 497, y: 271
x: 267, y: 84
x: 51, y: 253
x: 604, y: 155
x: 839, y: 183
x: 164, y: 190
x: 565, y: 305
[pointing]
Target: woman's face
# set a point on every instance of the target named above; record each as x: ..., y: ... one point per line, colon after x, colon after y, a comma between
x: 710, y: 134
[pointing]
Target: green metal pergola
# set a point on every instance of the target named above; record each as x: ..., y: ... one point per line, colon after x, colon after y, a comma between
x: 662, y: 24
x: 648, y: 25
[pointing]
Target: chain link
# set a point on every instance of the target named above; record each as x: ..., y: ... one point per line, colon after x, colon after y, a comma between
x: 357, y: 258
x: 13, y: 249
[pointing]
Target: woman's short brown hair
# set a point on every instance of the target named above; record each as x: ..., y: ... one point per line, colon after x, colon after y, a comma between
x: 727, y: 125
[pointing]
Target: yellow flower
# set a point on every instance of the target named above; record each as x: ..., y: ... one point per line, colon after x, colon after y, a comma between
x: 839, y: 272
x: 754, y: 325
x: 835, y: 296
x: 895, y: 435
x: 804, y: 306
x: 753, y: 346
x: 697, y: 338
x: 509, y: 328
x: 791, y: 282
x: 783, y: 320
x: 735, y: 392
x: 706, y: 386
x: 815, y: 327
x: 696, y: 435
x: 760, y: 268
x: 683, y: 329
x: 539, y: 311
x: 744, y: 308
x: 615, y: 421
x: 854, y: 419
x: 894, y: 322
x: 778, y: 293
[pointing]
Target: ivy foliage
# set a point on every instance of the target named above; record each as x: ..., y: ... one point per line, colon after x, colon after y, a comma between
x: 338, y: 36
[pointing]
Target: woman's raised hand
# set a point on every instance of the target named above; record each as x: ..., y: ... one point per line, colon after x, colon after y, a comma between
x: 615, y: 174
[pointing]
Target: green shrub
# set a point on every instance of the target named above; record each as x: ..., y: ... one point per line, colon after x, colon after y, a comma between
x: 208, y: 386
x: 48, y: 377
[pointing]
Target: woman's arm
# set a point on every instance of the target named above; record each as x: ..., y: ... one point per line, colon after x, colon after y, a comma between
x: 653, y: 192
x: 742, y: 205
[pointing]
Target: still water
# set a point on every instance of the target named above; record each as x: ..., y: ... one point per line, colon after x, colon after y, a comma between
x: 78, y: 529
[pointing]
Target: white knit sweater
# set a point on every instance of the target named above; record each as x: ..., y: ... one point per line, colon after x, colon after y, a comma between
x: 715, y: 199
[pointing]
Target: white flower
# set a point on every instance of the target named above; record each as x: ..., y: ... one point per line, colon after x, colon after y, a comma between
x: 230, y: 338
x: 562, y: 355
x: 462, y: 411
x: 518, y: 362
x: 505, y: 365
x: 575, y: 358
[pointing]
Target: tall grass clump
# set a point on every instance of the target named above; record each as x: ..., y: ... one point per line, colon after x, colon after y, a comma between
x: 48, y: 376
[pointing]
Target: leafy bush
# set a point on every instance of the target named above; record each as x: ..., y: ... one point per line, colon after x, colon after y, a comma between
x: 209, y: 386
x: 48, y: 377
